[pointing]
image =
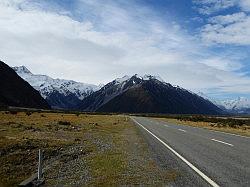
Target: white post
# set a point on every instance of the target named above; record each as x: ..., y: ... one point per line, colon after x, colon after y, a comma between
x: 39, y: 173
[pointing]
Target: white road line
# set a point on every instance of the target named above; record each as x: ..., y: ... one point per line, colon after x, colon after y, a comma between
x: 182, y: 130
x: 206, y: 178
x: 222, y: 142
x: 227, y: 133
x: 166, y: 125
x: 217, y: 131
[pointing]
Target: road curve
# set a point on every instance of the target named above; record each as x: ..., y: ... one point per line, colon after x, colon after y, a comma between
x: 203, y: 157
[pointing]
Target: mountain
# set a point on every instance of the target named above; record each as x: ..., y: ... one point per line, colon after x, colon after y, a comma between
x: 14, y: 91
x: 146, y: 94
x: 240, y: 105
x: 59, y: 93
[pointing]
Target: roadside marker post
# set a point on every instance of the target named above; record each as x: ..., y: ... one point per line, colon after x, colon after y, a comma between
x: 40, y: 180
x: 39, y: 173
x: 37, y: 178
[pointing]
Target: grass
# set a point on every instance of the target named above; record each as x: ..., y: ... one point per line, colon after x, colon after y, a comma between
x: 79, y: 149
x: 240, y: 126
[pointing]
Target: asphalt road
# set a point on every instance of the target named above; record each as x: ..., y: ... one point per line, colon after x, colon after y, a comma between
x: 201, y: 157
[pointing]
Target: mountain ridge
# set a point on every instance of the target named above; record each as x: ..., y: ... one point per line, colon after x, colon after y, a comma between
x: 69, y: 94
x: 60, y: 93
x: 161, y: 96
x: 17, y: 92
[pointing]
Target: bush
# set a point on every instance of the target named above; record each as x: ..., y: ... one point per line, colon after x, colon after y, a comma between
x: 64, y: 123
x: 231, y: 122
x: 28, y: 113
x: 13, y: 112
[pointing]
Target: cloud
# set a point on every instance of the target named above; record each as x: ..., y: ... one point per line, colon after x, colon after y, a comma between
x: 208, y: 7
x: 228, y: 19
x: 245, y: 5
x: 225, y: 28
x: 229, y: 29
x: 97, y: 42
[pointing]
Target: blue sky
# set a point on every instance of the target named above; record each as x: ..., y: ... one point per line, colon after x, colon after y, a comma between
x: 201, y: 45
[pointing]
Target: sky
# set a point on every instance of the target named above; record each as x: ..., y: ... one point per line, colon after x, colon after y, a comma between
x: 201, y: 45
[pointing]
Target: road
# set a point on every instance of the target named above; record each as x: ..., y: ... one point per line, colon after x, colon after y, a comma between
x: 202, y: 157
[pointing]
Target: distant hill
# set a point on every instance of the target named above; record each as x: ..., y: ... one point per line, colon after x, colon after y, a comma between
x: 59, y: 93
x: 146, y: 94
x: 14, y: 91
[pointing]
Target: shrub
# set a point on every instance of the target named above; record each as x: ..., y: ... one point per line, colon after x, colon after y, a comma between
x: 64, y: 123
x: 28, y: 113
x: 231, y: 122
x: 13, y: 112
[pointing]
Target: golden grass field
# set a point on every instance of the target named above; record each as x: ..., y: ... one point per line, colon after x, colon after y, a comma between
x: 78, y: 149
x: 240, y: 130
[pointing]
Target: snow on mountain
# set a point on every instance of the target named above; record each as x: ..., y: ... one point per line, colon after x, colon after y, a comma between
x: 142, y: 77
x: 48, y: 86
x: 45, y: 84
x: 120, y: 80
x: 21, y: 70
x: 238, y: 105
x: 148, y: 77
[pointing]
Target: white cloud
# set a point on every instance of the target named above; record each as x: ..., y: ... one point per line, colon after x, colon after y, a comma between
x: 228, y: 19
x: 229, y: 29
x: 212, y: 6
x: 110, y: 41
x: 245, y: 5
x: 225, y: 29
x: 208, y: 7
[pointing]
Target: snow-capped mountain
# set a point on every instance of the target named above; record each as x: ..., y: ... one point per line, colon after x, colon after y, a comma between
x: 238, y: 105
x: 59, y: 93
x: 146, y: 94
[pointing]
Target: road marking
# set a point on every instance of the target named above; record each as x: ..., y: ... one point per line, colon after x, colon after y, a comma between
x: 216, y: 131
x: 222, y: 142
x: 166, y: 125
x: 182, y: 130
x: 228, y: 133
x: 206, y: 178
